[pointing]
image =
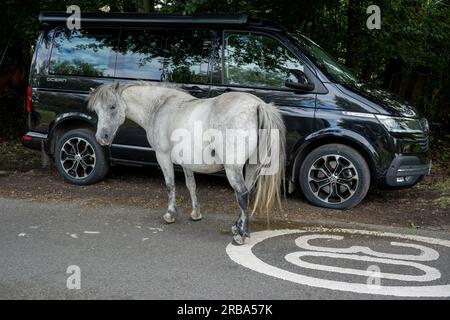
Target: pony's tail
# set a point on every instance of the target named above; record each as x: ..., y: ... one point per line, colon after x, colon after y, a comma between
x: 269, y: 172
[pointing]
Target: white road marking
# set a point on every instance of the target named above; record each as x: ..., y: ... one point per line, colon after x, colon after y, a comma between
x: 72, y: 235
x: 426, y: 254
x: 430, y: 273
x: 155, y: 229
x: 91, y: 232
x: 244, y: 256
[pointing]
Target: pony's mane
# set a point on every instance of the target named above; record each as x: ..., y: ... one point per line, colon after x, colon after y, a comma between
x: 100, y: 93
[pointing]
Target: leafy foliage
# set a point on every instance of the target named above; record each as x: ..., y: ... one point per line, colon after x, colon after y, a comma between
x: 78, y: 67
x: 409, y: 55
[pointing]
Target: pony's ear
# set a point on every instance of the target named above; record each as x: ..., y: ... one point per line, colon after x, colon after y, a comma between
x: 116, y: 86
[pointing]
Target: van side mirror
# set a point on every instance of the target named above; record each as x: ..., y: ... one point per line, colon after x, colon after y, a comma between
x: 298, y: 80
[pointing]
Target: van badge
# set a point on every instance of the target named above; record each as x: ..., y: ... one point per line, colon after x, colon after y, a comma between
x: 56, y: 79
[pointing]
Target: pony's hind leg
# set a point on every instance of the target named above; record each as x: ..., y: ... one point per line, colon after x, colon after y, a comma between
x: 240, y: 228
x: 190, y: 184
x: 251, y: 175
x: 166, y: 165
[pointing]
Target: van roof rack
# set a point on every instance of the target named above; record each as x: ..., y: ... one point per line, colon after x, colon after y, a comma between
x: 116, y: 18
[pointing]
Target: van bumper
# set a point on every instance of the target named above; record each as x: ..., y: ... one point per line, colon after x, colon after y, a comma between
x: 407, y: 170
x: 34, y: 140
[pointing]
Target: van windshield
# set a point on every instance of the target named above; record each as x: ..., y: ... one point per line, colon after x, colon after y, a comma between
x: 329, y: 65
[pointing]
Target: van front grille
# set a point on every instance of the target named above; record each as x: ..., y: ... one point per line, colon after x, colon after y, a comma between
x: 421, y: 139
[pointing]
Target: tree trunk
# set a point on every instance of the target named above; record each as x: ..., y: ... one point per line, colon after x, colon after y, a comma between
x: 393, y: 68
x: 352, y: 31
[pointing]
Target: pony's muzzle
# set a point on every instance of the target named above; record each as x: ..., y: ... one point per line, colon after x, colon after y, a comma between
x: 104, y: 142
x: 104, y: 138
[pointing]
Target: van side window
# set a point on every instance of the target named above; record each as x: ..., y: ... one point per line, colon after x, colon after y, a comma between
x: 188, y: 56
x: 85, y: 52
x: 141, y: 54
x: 257, y: 60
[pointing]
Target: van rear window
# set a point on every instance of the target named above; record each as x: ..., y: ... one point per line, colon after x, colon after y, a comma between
x: 85, y: 52
x: 176, y: 55
x: 181, y: 56
x: 141, y: 54
x: 188, y: 56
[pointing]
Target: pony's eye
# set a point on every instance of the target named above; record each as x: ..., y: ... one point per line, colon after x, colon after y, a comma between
x: 113, y: 107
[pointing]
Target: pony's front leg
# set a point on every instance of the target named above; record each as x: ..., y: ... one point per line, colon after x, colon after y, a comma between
x: 190, y: 184
x: 240, y: 228
x: 166, y: 165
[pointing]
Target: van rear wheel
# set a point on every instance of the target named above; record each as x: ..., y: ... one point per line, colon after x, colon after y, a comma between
x: 79, y: 158
x: 334, y: 176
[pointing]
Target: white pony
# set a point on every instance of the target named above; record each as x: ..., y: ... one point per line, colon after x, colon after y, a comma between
x: 168, y: 114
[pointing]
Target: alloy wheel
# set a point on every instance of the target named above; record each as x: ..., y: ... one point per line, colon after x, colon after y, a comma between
x: 77, y: 158
x: 333, y: 179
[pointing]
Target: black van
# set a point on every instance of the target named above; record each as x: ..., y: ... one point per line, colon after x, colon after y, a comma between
x: 343, y: 135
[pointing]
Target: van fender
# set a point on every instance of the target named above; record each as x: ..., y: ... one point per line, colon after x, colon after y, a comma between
x: 64, y: 118
x: 331, y: 135
x: 74, y: 115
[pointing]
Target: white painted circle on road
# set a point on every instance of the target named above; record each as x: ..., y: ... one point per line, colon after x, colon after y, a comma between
x: 244, y: 256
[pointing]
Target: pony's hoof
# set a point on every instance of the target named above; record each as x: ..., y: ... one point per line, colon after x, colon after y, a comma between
x: 238, y: 240
x: 196, y: 216
x: 235, y: 230
x: 169, y: 218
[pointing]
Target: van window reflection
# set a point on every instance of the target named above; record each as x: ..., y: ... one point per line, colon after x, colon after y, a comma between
x: 141, y: 55
x: 257, y: 60
x: 83, y: 52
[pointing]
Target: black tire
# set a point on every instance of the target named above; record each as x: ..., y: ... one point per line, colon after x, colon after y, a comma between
x: 328, y: 185
x: 92, y: 166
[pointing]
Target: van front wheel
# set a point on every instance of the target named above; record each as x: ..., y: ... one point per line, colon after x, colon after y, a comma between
x: 79, y: 158
x: 334, y: 176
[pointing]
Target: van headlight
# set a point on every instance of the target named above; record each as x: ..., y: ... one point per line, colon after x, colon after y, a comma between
x: 401, y: 125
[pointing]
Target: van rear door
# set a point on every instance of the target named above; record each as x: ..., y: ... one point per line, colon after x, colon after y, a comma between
x: 78, y: 60
x: 180, y: 56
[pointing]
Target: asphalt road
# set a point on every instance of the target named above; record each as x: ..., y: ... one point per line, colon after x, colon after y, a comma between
x: 129, y: 253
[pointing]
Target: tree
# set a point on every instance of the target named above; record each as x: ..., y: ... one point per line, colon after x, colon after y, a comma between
x: 409, y: 55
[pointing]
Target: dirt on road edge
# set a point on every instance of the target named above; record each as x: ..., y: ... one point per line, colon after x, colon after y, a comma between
x: 427, y: 205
